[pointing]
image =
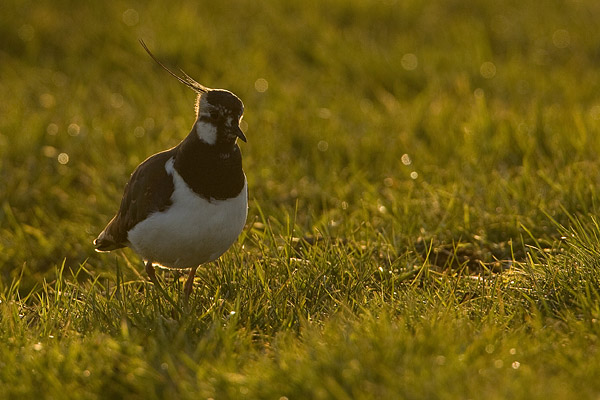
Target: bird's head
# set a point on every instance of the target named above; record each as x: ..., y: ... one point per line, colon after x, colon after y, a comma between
x: 218, y: 111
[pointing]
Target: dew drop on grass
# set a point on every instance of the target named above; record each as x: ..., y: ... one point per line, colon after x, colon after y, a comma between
x: 489, y: 348
x: 515, y: 365
x: 406, y: 159
x: 498, y: 364
x: 561, y: 38
x: 139, y: 132
x: 63, y: 158
x: 322, y: 146
x: 47, y: 100
x: 524, y: 128
x: 73, y: 129
x: 487, y: 70
x: 149, y: 123
x: 414, y: 175
x: 409, y: 61
x: 131, y: 17
x: 52, y: 129
x: 116, y: 100
x: 261, y: 85
x: 49, y: 151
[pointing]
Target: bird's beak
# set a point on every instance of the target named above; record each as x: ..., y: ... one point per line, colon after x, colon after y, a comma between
x: 238, y: 132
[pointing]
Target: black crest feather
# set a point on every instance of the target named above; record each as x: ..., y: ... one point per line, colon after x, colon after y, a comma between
x: 186, y: 80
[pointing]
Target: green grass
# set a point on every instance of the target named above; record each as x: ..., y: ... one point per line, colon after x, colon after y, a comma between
x: 423, y: 196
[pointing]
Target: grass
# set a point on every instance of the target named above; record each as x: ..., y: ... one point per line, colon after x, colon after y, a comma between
x: 423, y: 184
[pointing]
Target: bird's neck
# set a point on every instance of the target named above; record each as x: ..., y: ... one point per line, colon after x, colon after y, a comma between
x: 212, y: 171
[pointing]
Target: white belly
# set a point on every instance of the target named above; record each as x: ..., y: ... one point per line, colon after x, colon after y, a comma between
x: 192, y: 231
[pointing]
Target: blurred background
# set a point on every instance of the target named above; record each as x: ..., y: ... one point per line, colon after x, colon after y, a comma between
x: 401, y: 120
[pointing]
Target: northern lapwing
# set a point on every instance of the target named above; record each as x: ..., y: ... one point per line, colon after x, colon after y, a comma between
x: 186, y: 206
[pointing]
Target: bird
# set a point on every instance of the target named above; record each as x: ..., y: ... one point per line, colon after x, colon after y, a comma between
x: 186, y: 206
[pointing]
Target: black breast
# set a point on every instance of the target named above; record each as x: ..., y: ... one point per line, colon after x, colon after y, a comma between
x: 210, y: 171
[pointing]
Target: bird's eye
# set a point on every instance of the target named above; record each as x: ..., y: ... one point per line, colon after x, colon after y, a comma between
x: 214, y: 115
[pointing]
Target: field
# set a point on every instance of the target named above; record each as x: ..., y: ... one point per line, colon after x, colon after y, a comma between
x: 423, y: 182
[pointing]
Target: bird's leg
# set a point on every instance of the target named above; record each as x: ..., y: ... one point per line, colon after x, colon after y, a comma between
x: 150, y: 272
x: 152, y: 276
x: 189, y: 283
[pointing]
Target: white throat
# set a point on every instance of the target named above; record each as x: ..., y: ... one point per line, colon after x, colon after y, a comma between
x: 207, y: 132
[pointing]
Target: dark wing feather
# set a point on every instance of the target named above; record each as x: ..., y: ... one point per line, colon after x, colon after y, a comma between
x: 149, y: 190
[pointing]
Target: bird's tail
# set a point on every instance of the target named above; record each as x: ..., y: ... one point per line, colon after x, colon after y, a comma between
x: 105, y: 242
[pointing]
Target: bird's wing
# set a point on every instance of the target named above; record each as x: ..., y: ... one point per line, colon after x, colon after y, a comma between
x: 149, y: 190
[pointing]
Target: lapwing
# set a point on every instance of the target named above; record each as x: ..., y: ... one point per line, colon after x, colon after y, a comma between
x: 186, y: 206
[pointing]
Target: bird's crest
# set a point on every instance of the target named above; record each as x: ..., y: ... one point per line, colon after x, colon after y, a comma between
x: 186, y: 80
